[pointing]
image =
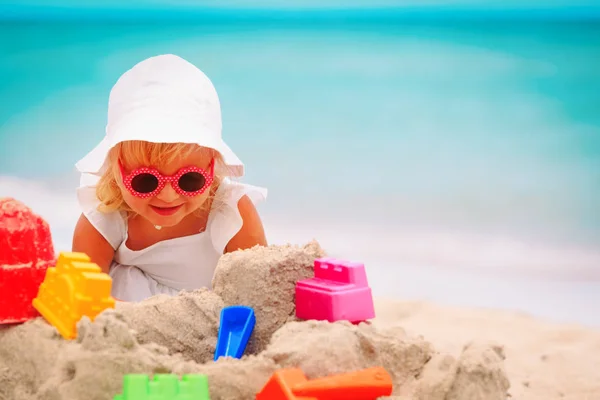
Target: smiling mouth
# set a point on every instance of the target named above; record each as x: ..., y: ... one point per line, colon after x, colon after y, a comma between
x: 166, y: 210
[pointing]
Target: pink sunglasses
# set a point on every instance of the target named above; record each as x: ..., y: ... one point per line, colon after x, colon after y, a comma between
x: 147, y: 182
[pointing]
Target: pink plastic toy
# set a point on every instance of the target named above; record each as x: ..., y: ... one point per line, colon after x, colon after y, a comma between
x: 338, y: 292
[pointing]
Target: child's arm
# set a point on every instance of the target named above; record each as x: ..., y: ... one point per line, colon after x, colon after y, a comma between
x: 88, y: 240
x: 252, y: 231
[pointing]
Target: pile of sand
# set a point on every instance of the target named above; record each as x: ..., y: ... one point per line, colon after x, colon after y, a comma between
x: 178, y: 335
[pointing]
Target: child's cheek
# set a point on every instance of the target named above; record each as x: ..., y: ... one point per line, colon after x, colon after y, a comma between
x: 137, y: 204
x: 197, y: 202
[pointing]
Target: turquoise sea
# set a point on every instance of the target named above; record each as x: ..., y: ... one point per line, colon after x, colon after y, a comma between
x: 459, y: 159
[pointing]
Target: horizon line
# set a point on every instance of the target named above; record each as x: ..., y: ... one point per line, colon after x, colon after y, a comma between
x: 49, y: 13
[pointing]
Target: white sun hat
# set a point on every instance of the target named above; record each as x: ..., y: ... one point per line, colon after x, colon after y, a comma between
x: 163, y: 99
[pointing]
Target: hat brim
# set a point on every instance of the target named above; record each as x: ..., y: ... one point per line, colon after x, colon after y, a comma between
x: 157, y: 130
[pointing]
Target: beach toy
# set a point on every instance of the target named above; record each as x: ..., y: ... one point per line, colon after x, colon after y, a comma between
x: 74, y: 288
x: 26, y: 252
x: 291, y: 384
x: 338, y: 292
x: 279, y: 386
x: 164, y: 387
x: 237, y: 324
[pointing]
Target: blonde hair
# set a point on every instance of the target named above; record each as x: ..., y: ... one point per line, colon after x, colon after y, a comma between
x: 136, y: 152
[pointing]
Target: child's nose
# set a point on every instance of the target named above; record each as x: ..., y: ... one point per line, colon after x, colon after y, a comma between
x: 168, y: 194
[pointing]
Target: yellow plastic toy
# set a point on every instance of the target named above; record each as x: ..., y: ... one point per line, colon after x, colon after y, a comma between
x: 74, y: 288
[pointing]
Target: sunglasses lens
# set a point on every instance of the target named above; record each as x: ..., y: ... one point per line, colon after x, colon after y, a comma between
x: 191, y: 181
x: 144, y: 183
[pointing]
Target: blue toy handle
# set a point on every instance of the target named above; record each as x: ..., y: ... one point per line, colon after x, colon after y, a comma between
x: 235, y: 329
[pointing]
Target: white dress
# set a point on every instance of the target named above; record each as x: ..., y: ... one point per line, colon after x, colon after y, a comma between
x: 169, y: 266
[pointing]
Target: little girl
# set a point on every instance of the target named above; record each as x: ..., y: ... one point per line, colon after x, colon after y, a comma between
x: 158, y: 207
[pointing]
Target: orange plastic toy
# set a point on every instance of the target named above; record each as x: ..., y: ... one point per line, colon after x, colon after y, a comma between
x: 279, y: 386
x: 291, y: 384
x: 74, y: 288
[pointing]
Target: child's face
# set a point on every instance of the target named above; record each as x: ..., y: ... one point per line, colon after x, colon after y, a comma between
x: 168, y: 206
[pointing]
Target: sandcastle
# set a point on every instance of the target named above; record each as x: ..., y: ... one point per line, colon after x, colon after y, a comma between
x: 178, y: 335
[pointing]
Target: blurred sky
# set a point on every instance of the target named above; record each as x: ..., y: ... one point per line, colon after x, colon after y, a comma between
x: 288, y: 10
x: 486, y: 4
x: 306, y: 3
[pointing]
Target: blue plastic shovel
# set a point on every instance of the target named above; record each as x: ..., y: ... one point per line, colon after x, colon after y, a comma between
x: 237, y: 324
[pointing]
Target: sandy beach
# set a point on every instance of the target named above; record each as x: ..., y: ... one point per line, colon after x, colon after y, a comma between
x: 431, y: 351
x: 544, y: 360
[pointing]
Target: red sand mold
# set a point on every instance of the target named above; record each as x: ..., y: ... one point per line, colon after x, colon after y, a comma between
x: 26, y: 252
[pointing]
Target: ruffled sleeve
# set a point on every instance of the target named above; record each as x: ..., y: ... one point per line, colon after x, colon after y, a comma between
x: 110, y: 225
x: 225, y: 220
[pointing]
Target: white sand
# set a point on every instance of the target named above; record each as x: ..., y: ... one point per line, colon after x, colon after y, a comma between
x: 460, y: 354
x: 543, y: 360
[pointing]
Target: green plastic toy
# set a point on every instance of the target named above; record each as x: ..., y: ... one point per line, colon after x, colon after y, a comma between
x: 164, y: 387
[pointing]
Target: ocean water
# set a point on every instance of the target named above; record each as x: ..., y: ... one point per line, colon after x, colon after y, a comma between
x: 460, y: 160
